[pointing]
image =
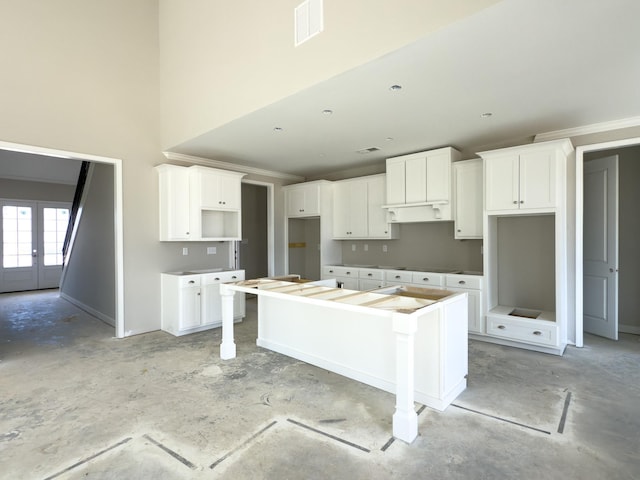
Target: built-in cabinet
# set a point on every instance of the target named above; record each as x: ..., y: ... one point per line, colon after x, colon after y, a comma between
x: 303, y: 200
x: 191, y: 302
x: 368, y: 278
x: 419, y: 186
x: 529, y: 249
x: 199, y: 203
x: 468, y: 194
x: 357, y: 209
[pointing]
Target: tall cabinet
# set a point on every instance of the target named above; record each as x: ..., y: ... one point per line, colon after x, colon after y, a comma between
x: 529, y: 239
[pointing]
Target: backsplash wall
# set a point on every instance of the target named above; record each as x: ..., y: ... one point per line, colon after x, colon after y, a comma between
x: 420, y: 245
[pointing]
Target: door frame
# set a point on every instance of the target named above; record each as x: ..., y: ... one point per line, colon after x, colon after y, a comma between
x: 117, y: 207
x: 270, y: 224
x: 580, y: 151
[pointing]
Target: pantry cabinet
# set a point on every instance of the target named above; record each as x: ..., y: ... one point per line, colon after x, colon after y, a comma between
x: 528, y: 246
x: 199, y: 203
x: 468, y: 194
x: 357, y: 209
x: 191, y: 302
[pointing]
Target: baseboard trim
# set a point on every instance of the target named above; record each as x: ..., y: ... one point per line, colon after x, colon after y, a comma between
x: 91, y: 311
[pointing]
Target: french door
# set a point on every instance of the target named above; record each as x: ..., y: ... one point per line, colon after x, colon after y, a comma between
x: 32, y: 235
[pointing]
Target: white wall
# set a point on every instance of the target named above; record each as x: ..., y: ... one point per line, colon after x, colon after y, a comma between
x: 221, y: 60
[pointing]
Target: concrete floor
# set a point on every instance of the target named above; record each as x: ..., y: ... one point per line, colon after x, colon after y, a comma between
x: 77, y: 403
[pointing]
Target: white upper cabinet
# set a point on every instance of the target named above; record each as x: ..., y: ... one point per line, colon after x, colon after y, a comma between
x: 199, y: 203
x: 467, y: 187
x: 521, y: 180
x: 216, y: 189
x: 420, y: 178
x: 357, y: 209
x: 303, y: 200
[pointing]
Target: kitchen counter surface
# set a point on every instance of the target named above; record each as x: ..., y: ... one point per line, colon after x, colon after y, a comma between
x: 411, y: 269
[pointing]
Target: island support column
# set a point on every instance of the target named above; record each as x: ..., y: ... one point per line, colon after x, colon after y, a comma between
x: 405, y: 419
x: 228, y: 346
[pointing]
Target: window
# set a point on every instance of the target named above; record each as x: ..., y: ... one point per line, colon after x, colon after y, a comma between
x: 55, y: 229
x: 17, y: 236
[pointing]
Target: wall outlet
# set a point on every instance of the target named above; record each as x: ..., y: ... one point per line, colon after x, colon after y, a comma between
x: 185, y: 250
x: 384, y: 248
x: 211, y: 250
x: 353, y: 247
x: 366, y: 247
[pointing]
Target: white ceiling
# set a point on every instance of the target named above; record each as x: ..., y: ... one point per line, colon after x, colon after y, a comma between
x: 38, y: 168
x: 537, y: 65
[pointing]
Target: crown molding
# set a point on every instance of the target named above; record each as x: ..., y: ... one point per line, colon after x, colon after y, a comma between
x: 230, y: 166
x: 588, y: 129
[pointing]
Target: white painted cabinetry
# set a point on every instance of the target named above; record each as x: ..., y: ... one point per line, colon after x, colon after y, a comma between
x: 199, y: 203
x: 357, y: 209
x: 419, y: 186
x: 472, y: 284
x: 191, y: 302
x: 346, y: 276
x: 521, y: 180
x: 303, y: 200
x: 528, y: 247
x: 468, y: 194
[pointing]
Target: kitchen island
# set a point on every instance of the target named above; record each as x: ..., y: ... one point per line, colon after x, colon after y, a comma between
x: 408, y: 341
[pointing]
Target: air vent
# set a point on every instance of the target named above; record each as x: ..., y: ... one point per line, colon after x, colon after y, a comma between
x: 308, y: 20
x: 368, y: 150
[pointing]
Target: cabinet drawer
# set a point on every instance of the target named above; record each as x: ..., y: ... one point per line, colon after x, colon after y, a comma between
x: 523, y: 331
x: 233, y: 276
x: 397, y: 276
x: 427, y: 278
x: 371, y: 273
x: 331, y: 271
x: 473, y: 282
x: 189, y: 281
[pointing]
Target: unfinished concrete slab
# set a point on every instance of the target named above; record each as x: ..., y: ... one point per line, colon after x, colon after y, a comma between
x: 77, y: 403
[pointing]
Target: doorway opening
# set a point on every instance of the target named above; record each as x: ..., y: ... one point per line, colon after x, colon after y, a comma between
x: 51, y: 155
x: 255, y: 252
x: 610, y: 294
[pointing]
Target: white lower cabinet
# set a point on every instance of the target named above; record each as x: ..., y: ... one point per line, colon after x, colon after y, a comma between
x: 191, y: 302
x: 472, y: 284
x: 346, y: 276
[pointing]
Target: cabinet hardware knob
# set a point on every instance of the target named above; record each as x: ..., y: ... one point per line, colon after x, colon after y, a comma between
x: 191, y: 281
x: 501, y: 327
x: 515, y: 202
x: 348, y: 273
x: 385, y: 232
x: 397, y: 276
x: 217, y: 279
x: 521, y: 201
x: 187, y: 233
x: 537, y: 332
x: 233, y: 277
x: 459, y: 230
x: 425, y: 279
x: 198, y: 293
x: 330, y: 271
x: 370, y: 274
x: 462, y: 282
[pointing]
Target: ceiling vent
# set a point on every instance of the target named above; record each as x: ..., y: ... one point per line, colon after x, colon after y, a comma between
x: 309, y: 20
x: 368, y: 150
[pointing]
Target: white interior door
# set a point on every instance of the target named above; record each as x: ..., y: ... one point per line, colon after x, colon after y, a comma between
x: 31, y: 248
x: 600, y: 236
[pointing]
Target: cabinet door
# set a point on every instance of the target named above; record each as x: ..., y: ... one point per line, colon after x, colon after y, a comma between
x: 537, y: 180
x: 189, y: 307
x: 303, y: 201
x: 377, y: 216
x: 395, y: 181
x: 230, y: 192
x: 211, y: 304
x: 174, y: 203
x: 438, y: 177
x: 468, y: 199
x: 341, y: 210
x: 416, y: 180
x: 502, y: 182
x: 474, y: 306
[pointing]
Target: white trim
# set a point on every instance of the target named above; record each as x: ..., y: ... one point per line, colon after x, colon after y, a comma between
x: 579, y: 223
x: 230, y: 166
x: 91, y: 311
x: 118, y: 213
x: 31, y: 179
x: 270, y: 224
x: 588, y: 129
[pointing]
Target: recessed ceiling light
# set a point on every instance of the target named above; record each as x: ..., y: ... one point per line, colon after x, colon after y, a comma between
x: 327, y: 112
x: 389, y: 139
x: 278, y: 129
x: 486, y: 114
x: 395, y: 88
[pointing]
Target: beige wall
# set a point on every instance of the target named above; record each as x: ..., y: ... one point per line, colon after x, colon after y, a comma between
x: 221, y: 60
